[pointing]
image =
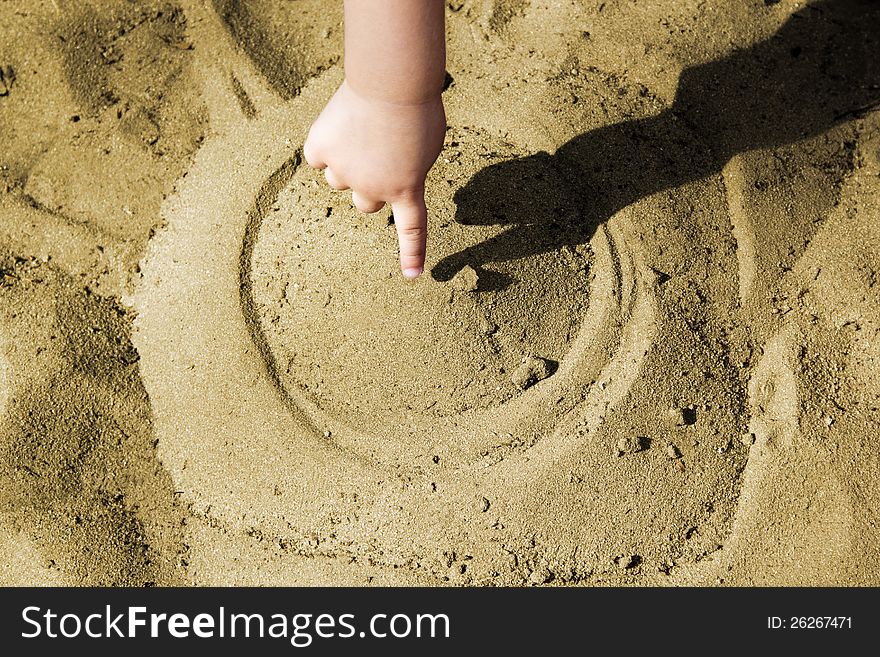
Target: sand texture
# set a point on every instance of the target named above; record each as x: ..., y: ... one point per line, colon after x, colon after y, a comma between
x: 645, y: 349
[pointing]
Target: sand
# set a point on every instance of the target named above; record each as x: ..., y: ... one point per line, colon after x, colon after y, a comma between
x: 644, y: 350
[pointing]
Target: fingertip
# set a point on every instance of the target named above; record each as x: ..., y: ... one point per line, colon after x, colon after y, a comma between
x: 412, y: 273
x: 411, y: 222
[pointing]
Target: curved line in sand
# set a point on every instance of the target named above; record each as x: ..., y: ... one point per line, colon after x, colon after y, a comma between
x: 266, y: 196
x: 775, y: 423
x: 630, y: 280
x: 219, y: 409
x: 637, y: 321
x: 224, y: 434
x: 295, y: 402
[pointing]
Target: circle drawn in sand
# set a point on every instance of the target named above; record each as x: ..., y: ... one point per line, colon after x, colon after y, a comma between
x: 537, y: 302
x: 249, y: 447
x: 360, y: 343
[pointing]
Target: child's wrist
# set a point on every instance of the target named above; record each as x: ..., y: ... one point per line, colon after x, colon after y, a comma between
x: 391, y: 99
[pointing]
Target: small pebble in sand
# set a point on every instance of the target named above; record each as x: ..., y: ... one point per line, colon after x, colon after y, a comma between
x: 682, y: 416
x: 484, y: 504
x: 531, y: 371
x: 829, y: 421
x: 540, y: 576
x: 666, y: 566
x: 466, y: 280
x: 631, y: 445
x: 747, y: 439
x: 487, y: 326
x: 672, y: 451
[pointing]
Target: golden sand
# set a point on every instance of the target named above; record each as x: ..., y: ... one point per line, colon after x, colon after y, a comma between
x: 644, y: 350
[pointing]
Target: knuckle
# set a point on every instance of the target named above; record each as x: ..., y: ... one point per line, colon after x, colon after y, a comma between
x: 413, y: 232
x: 310, y: 154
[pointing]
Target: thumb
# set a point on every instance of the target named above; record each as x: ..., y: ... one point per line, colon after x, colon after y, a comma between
x: 411, y: 221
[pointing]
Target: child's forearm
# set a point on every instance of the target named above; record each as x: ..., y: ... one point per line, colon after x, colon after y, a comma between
x: 395, y: 50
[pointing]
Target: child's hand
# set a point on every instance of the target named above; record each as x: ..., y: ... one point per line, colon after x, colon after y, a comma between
x: 382, y: 151
x: 384, y: 127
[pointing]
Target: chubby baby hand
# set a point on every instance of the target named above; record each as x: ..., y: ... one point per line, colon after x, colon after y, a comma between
x: 382, y: 151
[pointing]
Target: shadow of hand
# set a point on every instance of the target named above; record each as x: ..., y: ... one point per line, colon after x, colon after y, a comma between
x: 820, y: 69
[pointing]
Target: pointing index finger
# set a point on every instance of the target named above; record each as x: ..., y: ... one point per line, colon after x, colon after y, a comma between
x: 411, y: 222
